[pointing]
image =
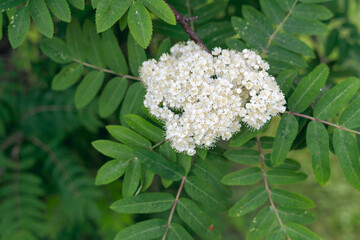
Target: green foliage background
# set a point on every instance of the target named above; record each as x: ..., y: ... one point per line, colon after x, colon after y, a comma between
x: 69, y: 77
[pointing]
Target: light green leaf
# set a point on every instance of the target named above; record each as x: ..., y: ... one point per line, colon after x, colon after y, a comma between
x: 160, y: 9
x: 346, y: 151
x: 350, y: 117
x: 201, y: 153
x: 101, y: 6
x: 245, y: 176
x: 312, y: 11
x: 160, y: 165
x: 113, y: 55
x: 147, y: 129
x: 19, y: 26
x: 111, y: 96
x: 60, y: 8
x: 109, y: 12
x: 285, y: 5
x: 75, y: 41
x: 111, y: 171
x: 202, y: 192
x: 191, y: 214
x: 113, y: 149
x: 139, y: 23
x: 132, y: 178
x: 164, y: 47
x: 7, y: 4
x: 261, y: 224
x: 258, y: 20
x: 296, y: 215
x: 304, y: 26
x: 55, y: 49
x: 133, y: 101
x: 166, y: 182
x: 285, y: 80
x: 136, y: 55
x: 144, y: 203
x: 243, y: 156
x: 336, y: 98
x: 308, y: 88
x: 41, y: 17
x: 293, y: 44
x: 285, y: 135
x: 248, y: 33
x: 88, y: 88
x: 298, y: 232
x: 272, y: 10
x: 282, y: 176
x: 80, y: 4
x: 145, y: 230
x: 250, y: 202
x: 177, y: 232
x: 128, y: 137
x: 276, y: 234
x: 67, y: 77
x: 93, y: 43
x: 283, y: 55
x: 317, y: 140
x: 290, y: 199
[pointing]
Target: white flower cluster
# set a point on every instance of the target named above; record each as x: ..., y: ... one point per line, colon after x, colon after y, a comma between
x: 202, y: 97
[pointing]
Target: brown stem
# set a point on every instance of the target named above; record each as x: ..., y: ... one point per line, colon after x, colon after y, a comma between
x: 11, y: 140
x: 156, y: 145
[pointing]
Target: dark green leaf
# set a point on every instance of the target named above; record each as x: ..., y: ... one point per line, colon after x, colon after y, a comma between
x: 267, y: 142
x: 177, y: 232
x: 285, y: 56
x: 249, y: 202
x: 19, y: 26
x: 133, y: 101
x: 88, y: 88
x: 298, y: 232
x: 248, y: 33
x: 111, y: 171
x: 243, y: 156
x: 285, y: 80
x: 184, y: 161
x: 208, y: 11
x: 235, y: 44
x: 331, y: 41
x: 55, y: 48
x: 286, y: 5
x: 80, y: 4
x: 258, y: 20
x: 132, y: 178
x: 261, y: 224
x: 289, y: 164
x: 312, y: 11
x: 113, y: 149
x: 174, y: 32
x: 145, y: 128
x: 75, y: 41
x: 7, y: 4
x: 140, y: 24
x: 350, y: 117
x: 282, y: 176
x: 304, y: 26
x: 136, y: 55
x: 272, y: 10
x: 293, y: 44
x: 67, y: 77
x: 169, y: 153
x: 296, y: 215
x: 160, y: 9
x: 244, y: 136
x: 214, y: 34
x: 145, y: 230
x: 291, y: 199
x: 111, y: 96
x: 110, y: 13
x: 164, y: 47
x: 147, y: 179
x: 245, y: 176
x: 41, y: 17
x: 93, y: 43
x: 60, y: 8
x: 128, y: 137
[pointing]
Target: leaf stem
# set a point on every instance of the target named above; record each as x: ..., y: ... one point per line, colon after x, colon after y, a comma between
x: 156, y: 145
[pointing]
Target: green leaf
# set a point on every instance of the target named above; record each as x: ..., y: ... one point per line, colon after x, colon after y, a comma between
x: 160, y: 165
x: 272, y: 10
x: 110, y: 13
x: 296, y: 215
x: 245, y: 176
x: 312, y: 11
x: 93, y: 43
x: 80, y: 4
x: 331, y: 41
x: 19, y: 26
x: 304, y: 26
x: 133, y: 101
x: 147, y: 129
x: 285, y: 56
x: 250, y: 202
x: 113, y: 149
x: 293, y: 44
x: 160, y: 9
x: 248, y: 33
x: 276, y: 234
x: 202, y: 192
x: 136, y: 55
x: 55, y: 49
x: 243, y: 156
x: 132, y: 178
x: 144, y: 203
x: 139, y: 23
x: 288, y: 164
x: 267, y: 142
x: 146, y: 179
x: 191, y: 214
x: 177, y: 232
x: 317, y: 140
x: 145, y: 230
x: 244, y: 136
x: 75, y: 41
x: 346, y: 151
x: 67, y: 77
x: 128, y: 137
x: 335, y: 99
x: 41, y: 17
x: 235, y: 44
x: 258, y: 20
x: 214, y: 34
x: 111, y: 171
x: 111, y: 96
x: 60, y: 8
x: 164, y: 47
x: 209, y: 11
x: 285, y: 5
x: 282, y: 176
x: 169, y: 153
x: 308, y: 88
x: 201, y: 153
x: 172, y: 31
x: 291, y: 199
x: 350, y: 117
x: 113, y: 55
x: 7, y: 4
x: 298, y: 232
x: 285, y: 80
x: 314, y: 1
x: 88, y: 88
x: 184, y: 161
x: 285, y: 135
x: 1, y: 23
x: 261, y: 224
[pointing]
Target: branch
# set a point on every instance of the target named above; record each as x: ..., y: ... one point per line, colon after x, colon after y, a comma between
x: 11, y: 140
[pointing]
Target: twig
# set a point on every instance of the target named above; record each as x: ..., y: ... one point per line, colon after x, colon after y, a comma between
x: 268, y: 188
x: 156, y: 145
x: 11, y: 140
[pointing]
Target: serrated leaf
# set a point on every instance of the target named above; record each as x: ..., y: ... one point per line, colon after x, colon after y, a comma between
x: 285, y: 80
x: 293, y: 44
x: 149, y: 229
x: 75, y: 41
x: 177, y: 232
x: 41, y: 17
x: 312, y: 11
x: 308, y: 88
x: 245, y: 176
x: 147, y: 129
x: 80, y: 4
x: 244, y: 136
x: 283, y: 55
x: 113, y: 149
x: 88, y: 88
x: 160, y: 165
x: 282, y: 176
x: 111, y: 96
x: 201, y: 191
x: 111, y: 171
x: 317, y: 140
x: 67, y: 77
x: 133, y: 101
x: 113, y: 55
x: 350, y: 117
x: 109, y: 13
x: 336, y: 98
x: 19, y: 26
x: 144, y: 203
x: 297, y: 232
x: 140, y: 24
x: 304, y: 26
x: 258, y: 20
x: 93, y: 43
x: 128, y: 137
x: 290, y: 199
x: 60, y: 8
x: 296, y: 215
x: 7, y: 4
x: 160, y: 9
x: 136, y: 55
x: 272, y: 10
x: 261, y: 224
x: 243, y: 156
x: 196, y: 219
x: 55, y: 49
x: 248, y: 33
x: 132, y: 178
x: 285, y: 135
x: 346, y: 151
x: 250, y: 202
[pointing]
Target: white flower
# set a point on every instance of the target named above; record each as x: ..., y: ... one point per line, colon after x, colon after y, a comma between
x: 203, y: 97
